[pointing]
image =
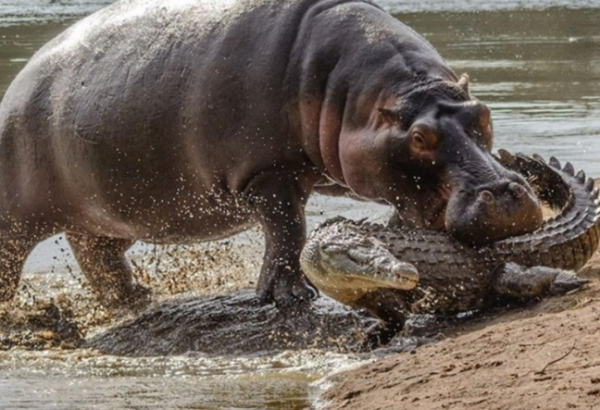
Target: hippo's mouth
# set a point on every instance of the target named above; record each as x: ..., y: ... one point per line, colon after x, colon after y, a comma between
x: 434, y: 216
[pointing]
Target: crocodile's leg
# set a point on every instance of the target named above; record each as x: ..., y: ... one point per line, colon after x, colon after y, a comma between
x: 517, y: 281
x: 390, y: 307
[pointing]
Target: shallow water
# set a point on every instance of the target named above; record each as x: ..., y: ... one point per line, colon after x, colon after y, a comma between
x: 536, y: 63
x: 85, y: 380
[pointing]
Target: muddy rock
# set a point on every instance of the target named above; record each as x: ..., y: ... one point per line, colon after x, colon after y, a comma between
x: 235, y: 324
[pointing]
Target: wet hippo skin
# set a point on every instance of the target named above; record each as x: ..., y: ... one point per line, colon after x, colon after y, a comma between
x: 192, y: 120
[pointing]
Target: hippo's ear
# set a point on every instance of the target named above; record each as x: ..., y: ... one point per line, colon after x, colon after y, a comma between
x: 463, y: 83
x: 387, y: 116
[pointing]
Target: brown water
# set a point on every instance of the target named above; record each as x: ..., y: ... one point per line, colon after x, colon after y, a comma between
x: 536, y: 63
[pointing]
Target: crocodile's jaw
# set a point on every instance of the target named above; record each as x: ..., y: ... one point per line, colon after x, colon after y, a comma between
x: 346, y: 267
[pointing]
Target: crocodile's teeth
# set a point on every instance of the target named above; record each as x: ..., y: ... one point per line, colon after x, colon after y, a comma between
x: 539, y: 159
x: 554, y: 163
x: 595, y: 193
x: 569, y: 169
x: 581, y: 176
x: 589, y: 185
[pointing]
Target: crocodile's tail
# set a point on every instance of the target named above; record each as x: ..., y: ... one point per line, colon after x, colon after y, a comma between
x: 567, y: 241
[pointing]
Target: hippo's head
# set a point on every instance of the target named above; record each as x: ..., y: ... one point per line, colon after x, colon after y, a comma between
x: 430, y: 157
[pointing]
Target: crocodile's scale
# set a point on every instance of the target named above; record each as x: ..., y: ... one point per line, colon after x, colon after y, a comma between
x: 462, y: 275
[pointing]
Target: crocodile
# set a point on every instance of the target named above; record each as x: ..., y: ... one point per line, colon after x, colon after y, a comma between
x: 393, y: 270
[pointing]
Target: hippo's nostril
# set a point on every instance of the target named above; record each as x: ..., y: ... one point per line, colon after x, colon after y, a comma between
x: 487, y: 197
x: 517, y: 189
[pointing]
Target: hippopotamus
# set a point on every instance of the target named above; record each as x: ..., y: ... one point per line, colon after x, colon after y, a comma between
x: 178, y: 121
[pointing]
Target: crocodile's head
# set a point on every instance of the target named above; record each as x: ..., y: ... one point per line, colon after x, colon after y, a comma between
x: 345, y: 264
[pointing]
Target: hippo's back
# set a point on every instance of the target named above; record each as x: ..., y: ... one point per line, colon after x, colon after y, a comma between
x: 144, y: 100
x: 137, y: 57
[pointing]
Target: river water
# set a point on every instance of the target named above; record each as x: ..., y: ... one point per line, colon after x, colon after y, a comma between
x: 536, y: 63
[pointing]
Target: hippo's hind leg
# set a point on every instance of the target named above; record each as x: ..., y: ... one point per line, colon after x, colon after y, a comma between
x: 102, y: 261
x: 278, y: 203
x: 516, y: 281
x: 13, y: 253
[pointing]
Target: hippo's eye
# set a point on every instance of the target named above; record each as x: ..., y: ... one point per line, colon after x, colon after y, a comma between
x: 423, y: 143
x: 419, y: 140
x: 423, y: 138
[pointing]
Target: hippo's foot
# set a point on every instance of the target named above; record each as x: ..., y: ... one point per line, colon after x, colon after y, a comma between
x: 278, y: 201
x: 102, y: 261
x: 135, y: 300
x: 288, y: 290
x: 516, y: 281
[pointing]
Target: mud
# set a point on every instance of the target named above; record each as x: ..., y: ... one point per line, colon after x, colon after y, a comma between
x: 44, y: 327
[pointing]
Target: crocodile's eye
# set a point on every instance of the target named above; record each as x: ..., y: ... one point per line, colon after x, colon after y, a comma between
x: 332, y: 248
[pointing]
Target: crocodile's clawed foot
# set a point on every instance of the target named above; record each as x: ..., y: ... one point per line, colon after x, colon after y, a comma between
x: 516, y: 281
x: 565, y: 283
x: 379, y: 335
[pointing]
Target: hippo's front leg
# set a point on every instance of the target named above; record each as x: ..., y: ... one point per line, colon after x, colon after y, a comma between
x: 278, y: 203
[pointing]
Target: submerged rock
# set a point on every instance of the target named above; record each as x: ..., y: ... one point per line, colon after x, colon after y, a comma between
x: 235, y: 324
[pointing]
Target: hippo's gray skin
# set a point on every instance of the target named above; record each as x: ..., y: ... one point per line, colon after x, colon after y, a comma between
x: 172, y: 121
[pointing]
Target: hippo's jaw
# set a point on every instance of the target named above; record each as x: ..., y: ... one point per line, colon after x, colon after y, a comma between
x: 490, y: 203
